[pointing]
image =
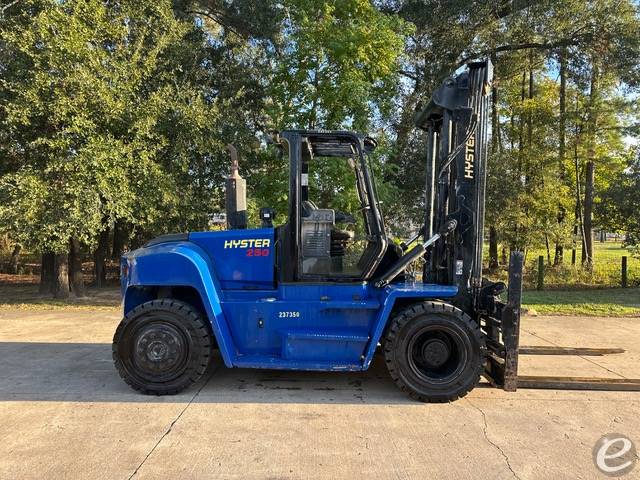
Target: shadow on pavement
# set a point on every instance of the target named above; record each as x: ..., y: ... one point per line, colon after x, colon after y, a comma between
x: 84, y: 372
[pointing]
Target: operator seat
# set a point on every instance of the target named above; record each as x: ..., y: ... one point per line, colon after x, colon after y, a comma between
x: 307, y: 207
x: 323, y: 245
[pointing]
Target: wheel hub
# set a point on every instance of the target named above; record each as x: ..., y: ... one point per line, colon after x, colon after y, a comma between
x: 159, y: 348
x: 435, y: 353
x: 157, y: 351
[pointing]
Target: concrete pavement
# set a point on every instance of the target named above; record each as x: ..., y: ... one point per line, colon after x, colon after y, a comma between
x: 64, y: 413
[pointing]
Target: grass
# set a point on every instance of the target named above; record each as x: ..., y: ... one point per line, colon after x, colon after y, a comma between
x: 26, y: 297
x: 606, y: 251
x: 606, y: 271
x: 600, y: 302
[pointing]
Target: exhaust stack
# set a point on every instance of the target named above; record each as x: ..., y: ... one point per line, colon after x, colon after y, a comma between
x: 235, y: 195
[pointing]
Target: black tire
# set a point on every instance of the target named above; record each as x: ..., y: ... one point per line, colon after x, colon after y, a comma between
x: 434, y: 352
x: 162, y: 347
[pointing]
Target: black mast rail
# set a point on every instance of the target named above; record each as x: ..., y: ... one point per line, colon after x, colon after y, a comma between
x: 456, y: 122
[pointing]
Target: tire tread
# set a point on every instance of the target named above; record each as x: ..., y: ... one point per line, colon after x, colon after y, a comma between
x: 194, y: 323
x: 404, y: 317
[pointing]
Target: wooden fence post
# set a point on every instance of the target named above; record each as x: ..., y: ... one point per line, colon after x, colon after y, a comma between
x: 624, y: 272
x: 540, y: 272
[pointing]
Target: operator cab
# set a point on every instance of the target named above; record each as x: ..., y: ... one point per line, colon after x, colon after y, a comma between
x: 326, y: 238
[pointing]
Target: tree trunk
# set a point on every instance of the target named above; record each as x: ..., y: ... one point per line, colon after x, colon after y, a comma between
x: 15, y: 259
x: 577, y: 221
x: 119, y: 238
x: 513, y: 129
x: 562, y: 123
x: 521, y: 127
x: 61, y: 275
x: 529, y: 173
x: 493, y: 248
x: 579, y: 227
x: 562, y: 141
x: 546, y: 242
x: 99, y: 258
x: 495, y: 146
x: 592, y: 120
x: 46, y: 273
x: 529, y: 113
x: 76, y: 279
x: 558, y: 256
x: 313, y: 115
x: 495, y: 123
x: 588, y: 213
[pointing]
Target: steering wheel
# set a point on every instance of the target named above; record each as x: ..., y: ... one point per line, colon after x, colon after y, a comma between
x: 343, y: 217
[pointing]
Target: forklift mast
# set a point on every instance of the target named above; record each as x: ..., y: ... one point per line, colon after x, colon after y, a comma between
x: 456, y: 122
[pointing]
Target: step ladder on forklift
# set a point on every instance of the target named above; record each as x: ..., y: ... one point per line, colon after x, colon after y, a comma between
x: 503, y: 338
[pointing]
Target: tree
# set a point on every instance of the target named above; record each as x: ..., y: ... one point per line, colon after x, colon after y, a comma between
x: 610, y: 57
x: 110, y: 115
x: 334, y: 67
x: 618, y: 207
x: 338, y: 65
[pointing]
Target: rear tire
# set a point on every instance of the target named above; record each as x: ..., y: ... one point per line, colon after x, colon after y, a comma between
x: 162, y: 347
x: 434, y: 352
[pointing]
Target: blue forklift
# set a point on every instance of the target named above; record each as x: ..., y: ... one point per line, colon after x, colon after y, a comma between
x: 327, y: 290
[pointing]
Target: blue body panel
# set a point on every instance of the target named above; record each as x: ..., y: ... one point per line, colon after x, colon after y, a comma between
x: 178, y: 264
x: 260, y: 324
x: 247, y: 256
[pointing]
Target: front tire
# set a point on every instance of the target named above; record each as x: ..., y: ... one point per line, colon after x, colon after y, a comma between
x: 434, y: 352
x: 162, y: 347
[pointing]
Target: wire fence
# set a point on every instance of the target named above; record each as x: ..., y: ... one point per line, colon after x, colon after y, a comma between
x: 613, y: 266
x: 625, y: 272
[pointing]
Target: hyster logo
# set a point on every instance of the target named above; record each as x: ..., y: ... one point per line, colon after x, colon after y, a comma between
x: 248, y: 243
x: 469, y: 157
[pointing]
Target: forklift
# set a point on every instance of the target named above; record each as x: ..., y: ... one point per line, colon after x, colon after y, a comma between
x: 328, y: 289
